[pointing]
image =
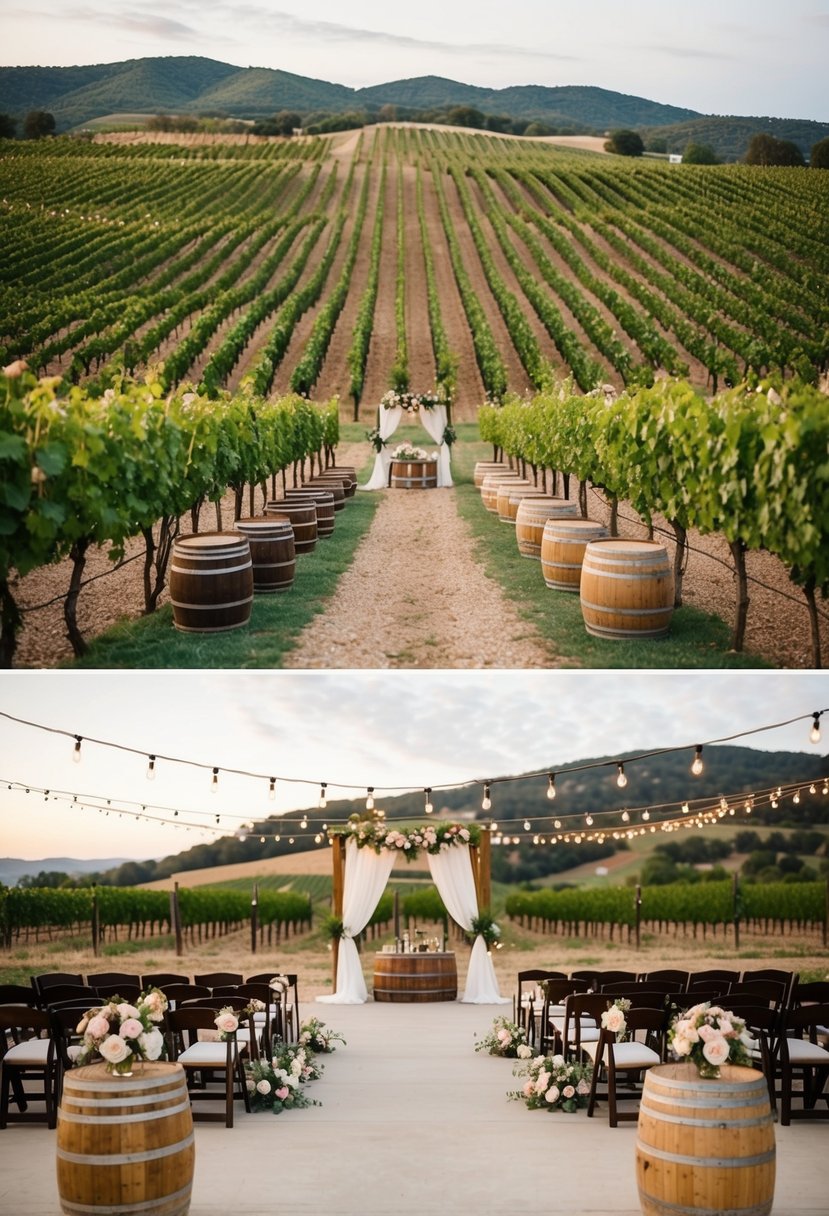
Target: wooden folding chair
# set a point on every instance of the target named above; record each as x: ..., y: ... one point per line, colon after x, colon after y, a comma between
x: 628, y: 1058
x: 202, y: 1059
x: 804, y: 1059
x: 27, y: 1054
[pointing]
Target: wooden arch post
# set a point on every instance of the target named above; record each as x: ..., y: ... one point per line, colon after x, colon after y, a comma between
x: 481, y: 857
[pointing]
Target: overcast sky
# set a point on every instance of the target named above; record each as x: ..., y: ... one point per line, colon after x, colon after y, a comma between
x: 386, y: 729
x: 760, y: 57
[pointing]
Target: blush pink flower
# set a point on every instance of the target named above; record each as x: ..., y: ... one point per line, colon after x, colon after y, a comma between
x: 716, y: 1050
x: 114, y: 1049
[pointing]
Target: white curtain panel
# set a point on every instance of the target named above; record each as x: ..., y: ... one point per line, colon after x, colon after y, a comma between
x: 433, y: 422
x: 389, y: 422
x: 366, y: 875
x: 452, y: 871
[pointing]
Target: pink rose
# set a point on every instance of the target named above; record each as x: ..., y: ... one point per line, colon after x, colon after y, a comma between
x: 568, y: 1091
x: 97, y: 1027
x: 552, y: 1094
x: 126, y: 1011
x: 282, y: 1093
x: 529, y: 1089
x: 131, y: 1029
x: 706, y: 1032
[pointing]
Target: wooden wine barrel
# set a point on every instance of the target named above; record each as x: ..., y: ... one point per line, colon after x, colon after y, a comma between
x: 509, y: 497
x: 347, y: 477
x: 705, y: 1146
x: 531, y: 516
x: 492, y: 483
x: 626, y: 589
x: 482, y: 467
x: 272, y: 551
x: 303, y: 517
x: 125, y: 1144
x: 413, y: 475
x: 334, y: 488
x: 211, y: 582
x: 415, y: 977
x: 563, y: 543
x: 324, y: 500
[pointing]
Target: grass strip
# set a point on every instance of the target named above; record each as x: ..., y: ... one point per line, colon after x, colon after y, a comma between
x: 276, y: 620
x: 697, y: 639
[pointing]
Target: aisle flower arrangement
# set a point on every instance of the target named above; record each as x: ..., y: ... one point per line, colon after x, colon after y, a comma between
x: 274, y: 1088
x: 709, y: 1036
x: 122, y: 1034
x: 315, y: 1036
x: 505, y: 1039
x: 552, y: 1083
x: 297, y: 1061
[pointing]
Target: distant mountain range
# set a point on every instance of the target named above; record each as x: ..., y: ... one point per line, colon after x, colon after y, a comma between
x: 194, y: 85
x: 13, y: 868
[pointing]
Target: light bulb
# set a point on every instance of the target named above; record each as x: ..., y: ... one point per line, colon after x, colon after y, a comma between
x: 796, y: 798
x: 527, y: 825
x: 814, y: 733
x: 588, y: 819
x: 428, y: 807
x: 76, y: 754
x: 370, y: 798
x: 685, y: 808
x: 317, y: 839
x: 697, y: 766
x: 774, y: 804
x: 214, y: 785
x: 646, y: 815
x: 825, y: 789
x: 151, y: 768
x: 322, y: 802
x: 486, y: 803
x: 272, y: 788
x: 812, y: 788
x: 551, y: 786
x: 625, y: 816
x: 557, y: 823
x: 621, y: 779
x: 303, y: 822
x: 290, y: 840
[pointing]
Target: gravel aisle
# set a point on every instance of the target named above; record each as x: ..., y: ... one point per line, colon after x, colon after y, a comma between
x: 413, y: 597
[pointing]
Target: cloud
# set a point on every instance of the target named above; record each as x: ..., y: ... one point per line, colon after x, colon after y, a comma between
x: 150, y: 22
x: 336, y: 33
x: 690, y: 52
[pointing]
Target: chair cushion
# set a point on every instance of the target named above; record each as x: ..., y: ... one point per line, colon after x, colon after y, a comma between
x: 204, y: 1055
x: 33, y: 1052
x: 634, y: 1055
x: 801, y: 1051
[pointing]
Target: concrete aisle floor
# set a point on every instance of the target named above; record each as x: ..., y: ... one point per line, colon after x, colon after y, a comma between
x: 413, y: 1121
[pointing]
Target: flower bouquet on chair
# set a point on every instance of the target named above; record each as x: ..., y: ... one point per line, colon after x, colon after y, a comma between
x: 122, y: 1034
x: 709, y: 1036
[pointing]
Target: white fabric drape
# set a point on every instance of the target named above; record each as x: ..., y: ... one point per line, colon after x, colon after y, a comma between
x: 366, y: 875
x: 433, y: 422
x: 452, y: 871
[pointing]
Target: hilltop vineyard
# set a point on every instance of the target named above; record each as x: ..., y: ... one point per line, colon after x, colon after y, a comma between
x: 405, y: 257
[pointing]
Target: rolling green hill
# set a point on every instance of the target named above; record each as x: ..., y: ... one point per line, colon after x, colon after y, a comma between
x: 194, y: 85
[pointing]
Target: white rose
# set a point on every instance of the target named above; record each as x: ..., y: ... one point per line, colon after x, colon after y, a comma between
x: 151, y: 1044
x: 263, y: 1086
x: 114, y: 1049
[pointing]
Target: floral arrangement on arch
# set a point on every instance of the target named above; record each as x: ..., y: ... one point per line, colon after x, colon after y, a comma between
x: 375, y: 833
x: 405, y: 451
x: 484, y: 925
x: 410, y: 402
x: 315, y: 1036
x: 553, y: 1083
x: 506, y: 1039
x: 122, y: 1034
x: 709, y: 1036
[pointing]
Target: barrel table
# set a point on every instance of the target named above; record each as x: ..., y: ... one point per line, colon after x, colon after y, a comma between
x: 211, y: 582
x: 417, y: 976
x: 705, y: 1145
x: 626, y: 589
x: 413, y: 474
x: 125, y: 1143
